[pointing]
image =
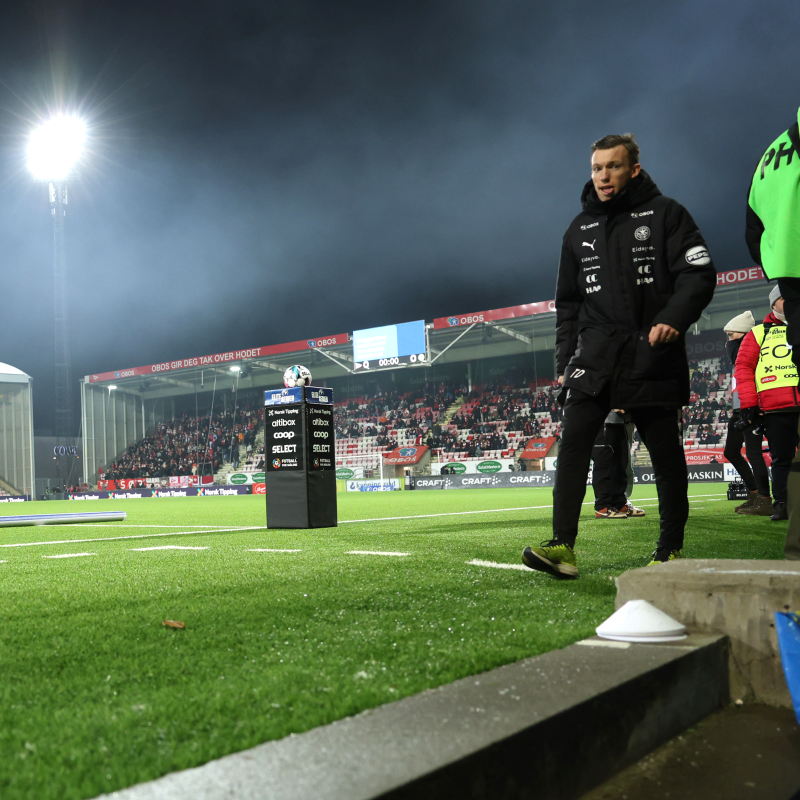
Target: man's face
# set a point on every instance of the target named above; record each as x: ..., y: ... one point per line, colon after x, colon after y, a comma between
x: 611, y: 170
x: 778, y: 305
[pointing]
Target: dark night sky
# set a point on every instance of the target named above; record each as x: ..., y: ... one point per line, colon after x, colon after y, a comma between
x: 269, y: 171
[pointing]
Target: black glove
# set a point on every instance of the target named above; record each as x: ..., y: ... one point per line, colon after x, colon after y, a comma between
x: 747, y: 416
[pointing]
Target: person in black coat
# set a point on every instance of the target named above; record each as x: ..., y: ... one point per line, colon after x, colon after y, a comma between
x: 635, y: 273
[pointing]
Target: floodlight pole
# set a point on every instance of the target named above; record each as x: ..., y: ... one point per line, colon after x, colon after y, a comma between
x: 63, y: 372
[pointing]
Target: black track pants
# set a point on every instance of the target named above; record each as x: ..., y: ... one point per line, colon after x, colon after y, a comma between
x: 781, y: 428
x: 757, y: 478
x: 610, y: 456
x: 660, y: 430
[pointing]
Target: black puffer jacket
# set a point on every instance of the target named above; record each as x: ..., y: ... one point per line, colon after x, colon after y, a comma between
x: 628, y: 264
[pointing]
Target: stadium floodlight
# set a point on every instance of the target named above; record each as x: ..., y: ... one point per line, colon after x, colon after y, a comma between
x: 54, y: 150
x: 55, y: 147
x: 236, y: 368
x: 111, y: 388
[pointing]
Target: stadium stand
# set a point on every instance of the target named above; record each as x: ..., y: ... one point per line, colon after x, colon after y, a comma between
x: 491, y: 421
x: 186, y: 446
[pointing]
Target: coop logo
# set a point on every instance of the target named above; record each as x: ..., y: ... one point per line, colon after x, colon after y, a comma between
x: 407, y: 452
x: 63, y: 450
x: 285, y: 435
x: 276, y: 463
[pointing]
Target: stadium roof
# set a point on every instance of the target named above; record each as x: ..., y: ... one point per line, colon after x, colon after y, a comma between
x: 9, y: 374
x: 459, y: 337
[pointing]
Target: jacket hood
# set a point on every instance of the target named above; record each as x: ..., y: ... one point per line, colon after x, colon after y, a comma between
x: 639, y: 190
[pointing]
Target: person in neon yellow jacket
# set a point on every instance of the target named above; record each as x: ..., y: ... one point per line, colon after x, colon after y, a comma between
x: 773, y: 238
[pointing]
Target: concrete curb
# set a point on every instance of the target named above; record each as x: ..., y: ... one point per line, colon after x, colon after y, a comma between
x: 553, y: 726
x: 733, y: 597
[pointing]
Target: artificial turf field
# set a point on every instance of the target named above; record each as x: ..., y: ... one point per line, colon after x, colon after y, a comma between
x: 285, y: 630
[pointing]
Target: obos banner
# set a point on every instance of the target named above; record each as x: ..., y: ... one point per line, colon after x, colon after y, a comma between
x: 405, y: 455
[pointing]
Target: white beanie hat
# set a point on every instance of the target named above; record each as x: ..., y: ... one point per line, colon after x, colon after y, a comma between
x: 774, y: 295
x: 741, y: 323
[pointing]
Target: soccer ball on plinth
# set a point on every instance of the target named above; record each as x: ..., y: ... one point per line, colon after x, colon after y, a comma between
x: 296, y: 376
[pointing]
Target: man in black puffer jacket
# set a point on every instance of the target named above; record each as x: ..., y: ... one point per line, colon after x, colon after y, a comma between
x: 635, y: 273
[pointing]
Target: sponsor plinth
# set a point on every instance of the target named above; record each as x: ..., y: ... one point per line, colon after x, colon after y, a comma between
x: 300, y: 458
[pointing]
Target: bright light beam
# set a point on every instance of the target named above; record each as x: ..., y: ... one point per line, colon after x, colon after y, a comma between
x: 55, y: 147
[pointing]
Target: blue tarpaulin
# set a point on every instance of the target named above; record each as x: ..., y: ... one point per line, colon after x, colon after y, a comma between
x: 788, y: 626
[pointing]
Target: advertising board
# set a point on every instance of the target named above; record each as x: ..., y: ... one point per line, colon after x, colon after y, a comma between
x: 516, y: 480
x: 386, y: 485
x: 136, y: 494
x: 284, y: 438
x: 321, y: 436
x: 475, y: 466
x: 245, y: 478
x: 223, y: 358
x: 519, y: 480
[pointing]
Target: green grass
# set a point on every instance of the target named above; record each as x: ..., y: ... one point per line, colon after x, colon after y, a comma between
x: 95, y: 694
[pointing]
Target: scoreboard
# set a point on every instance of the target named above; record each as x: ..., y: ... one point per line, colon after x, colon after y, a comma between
x: 390, y: 346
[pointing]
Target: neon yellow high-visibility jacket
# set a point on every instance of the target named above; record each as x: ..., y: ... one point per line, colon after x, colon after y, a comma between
x: 773, y: 212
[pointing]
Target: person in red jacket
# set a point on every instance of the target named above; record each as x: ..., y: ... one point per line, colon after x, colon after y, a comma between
x: 767, y: 382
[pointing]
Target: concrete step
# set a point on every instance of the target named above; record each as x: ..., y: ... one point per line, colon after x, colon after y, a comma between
x: 550, y: 727
x: 735, y: 597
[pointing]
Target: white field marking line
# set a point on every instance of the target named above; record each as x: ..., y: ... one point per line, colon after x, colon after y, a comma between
x: 139, y: 536
x: 71, y: 555
x: 166, y: 547
x: 373, y: 553
x: 112, y: 525
x: 3, y: 562
x: 476, y: 562
x: 478, y: 511
x: 272, y: 550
